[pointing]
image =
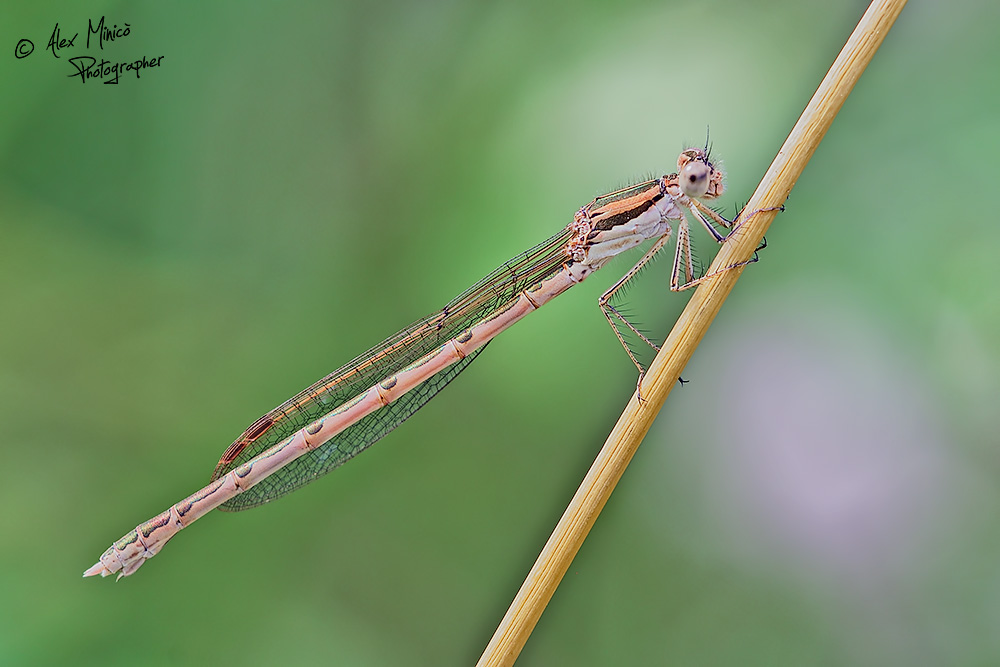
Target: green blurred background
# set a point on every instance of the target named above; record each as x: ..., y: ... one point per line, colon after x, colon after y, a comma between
x: 180, y: 253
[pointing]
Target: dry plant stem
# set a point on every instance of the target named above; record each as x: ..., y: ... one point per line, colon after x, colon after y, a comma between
x: 635, y: 421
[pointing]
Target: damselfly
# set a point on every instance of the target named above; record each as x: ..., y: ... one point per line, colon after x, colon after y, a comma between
x: 356, y: 405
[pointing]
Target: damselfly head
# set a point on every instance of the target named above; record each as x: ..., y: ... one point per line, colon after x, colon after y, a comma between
x: 698, y: 178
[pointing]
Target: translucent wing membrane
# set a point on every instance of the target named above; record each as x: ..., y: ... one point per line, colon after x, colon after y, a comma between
x: 347, y: 444
x: 489, y: 295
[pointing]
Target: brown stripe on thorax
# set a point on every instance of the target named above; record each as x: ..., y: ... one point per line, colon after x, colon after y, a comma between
x: 620, y: 211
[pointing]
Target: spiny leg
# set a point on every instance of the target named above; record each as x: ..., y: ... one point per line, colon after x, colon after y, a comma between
x: 738, y: 222
x: 612, y: 313
x: 740, y: 218
x: 699, y: 211
x: 684, y: 239
x: 683, y: 261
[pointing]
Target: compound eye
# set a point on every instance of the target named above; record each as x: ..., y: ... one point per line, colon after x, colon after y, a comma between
x: 695, y: 177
